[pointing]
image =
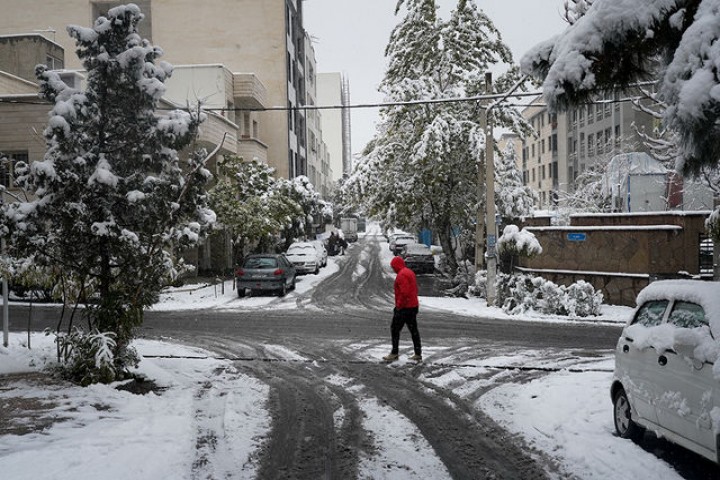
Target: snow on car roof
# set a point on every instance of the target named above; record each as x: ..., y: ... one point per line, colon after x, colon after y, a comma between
x: 705, y: 294
x: 417, y: 247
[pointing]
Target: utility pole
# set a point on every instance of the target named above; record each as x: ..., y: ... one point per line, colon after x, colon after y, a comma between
x: 491, y: 259
x: 6, y: 305
x: 487, y: 178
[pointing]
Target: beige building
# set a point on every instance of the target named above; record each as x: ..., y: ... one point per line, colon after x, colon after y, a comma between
x: 544, y: 156
x: 318, y: 158
x: 333, y: 92
x: 264, y: 39
x: 571, y: 142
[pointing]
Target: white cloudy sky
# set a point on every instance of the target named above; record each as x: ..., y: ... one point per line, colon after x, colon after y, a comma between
x: 351, y: 36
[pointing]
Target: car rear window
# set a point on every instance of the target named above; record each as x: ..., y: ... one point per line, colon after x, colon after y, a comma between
x: 687, y: 315
x: 263, y: 262
x: 651, y: 313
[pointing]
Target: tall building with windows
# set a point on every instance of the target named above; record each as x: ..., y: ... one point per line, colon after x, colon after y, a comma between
x: 263, y: 39
x: 544, y: 156
x: 584, y: 137
x: 334, y: 90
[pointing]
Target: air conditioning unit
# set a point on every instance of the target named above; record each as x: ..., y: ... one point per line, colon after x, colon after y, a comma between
x: 72, y: 78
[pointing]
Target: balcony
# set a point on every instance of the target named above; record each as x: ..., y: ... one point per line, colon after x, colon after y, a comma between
x: 248, y: 91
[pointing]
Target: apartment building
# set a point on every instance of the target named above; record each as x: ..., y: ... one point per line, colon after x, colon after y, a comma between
x: 318, y: 157
x: 569, y: 143
x: 263, y: 39
x: 334, y: 90
x: 544, y: 156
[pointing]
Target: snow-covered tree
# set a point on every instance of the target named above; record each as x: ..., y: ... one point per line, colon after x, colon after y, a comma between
x: 619, y: 42
x: 574, y: 9
x: 111, y: 203
x: 420, y: 170
x: 512, y: 198
x: 259, y: 209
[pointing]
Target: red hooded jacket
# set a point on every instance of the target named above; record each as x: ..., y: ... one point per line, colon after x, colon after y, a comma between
x: 406, y: 291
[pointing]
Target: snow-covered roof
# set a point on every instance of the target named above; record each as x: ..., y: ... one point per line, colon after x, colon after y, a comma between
x: 623, y: 165
x: 705, y: 294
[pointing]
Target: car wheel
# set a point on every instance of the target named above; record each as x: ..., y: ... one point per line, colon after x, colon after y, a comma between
x: 283, y: 289
x: 292, y: 287
x: 317, y: 270
x: 624, y: 425
x: 241, y: 292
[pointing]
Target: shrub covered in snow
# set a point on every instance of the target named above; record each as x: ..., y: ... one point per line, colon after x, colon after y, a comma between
x: 518, y: 242
x: 89, y: 357
x: 515, y: 243
x: 517, y: 294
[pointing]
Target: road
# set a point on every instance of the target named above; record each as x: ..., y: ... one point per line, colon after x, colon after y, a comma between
x: 332, y: 333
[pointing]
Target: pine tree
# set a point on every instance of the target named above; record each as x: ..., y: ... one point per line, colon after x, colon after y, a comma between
x: 112, y: 203
x: 420, y: 170
x: 513, y: 199
x: 617, y: 43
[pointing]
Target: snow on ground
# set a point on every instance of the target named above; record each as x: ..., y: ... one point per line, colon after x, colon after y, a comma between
x: 567, y: 415
x: 112, y: 434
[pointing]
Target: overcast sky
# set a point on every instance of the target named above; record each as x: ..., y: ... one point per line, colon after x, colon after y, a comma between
x: 351, y: 35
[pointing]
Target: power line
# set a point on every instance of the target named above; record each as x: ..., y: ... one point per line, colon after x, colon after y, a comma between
x: 476, y: 98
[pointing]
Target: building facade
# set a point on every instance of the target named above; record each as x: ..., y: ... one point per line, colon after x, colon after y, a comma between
x: 265, y: 39
x: 334, y: 91
x: 571, y: 142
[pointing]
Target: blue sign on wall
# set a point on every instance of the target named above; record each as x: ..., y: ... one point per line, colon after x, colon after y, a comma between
x: 577, y: 237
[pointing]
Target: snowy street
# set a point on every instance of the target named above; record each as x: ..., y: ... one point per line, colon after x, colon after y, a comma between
x: 293, y: 387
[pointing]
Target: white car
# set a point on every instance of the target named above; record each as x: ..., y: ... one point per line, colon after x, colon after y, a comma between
x: 397, y: 243
x: 322, y: 251
x: 667, y: 366
x: 305, y: 257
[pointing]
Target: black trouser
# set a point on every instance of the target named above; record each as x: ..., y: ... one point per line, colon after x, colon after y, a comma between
x: 402, y: 317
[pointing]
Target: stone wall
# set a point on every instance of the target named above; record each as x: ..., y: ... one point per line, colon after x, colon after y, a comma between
x: 619, y: 253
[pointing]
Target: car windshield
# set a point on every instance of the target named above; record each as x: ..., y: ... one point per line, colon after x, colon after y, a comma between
x: 261, y: 262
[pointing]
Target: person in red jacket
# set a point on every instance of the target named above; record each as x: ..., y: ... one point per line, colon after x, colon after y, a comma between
x: 406, y: 309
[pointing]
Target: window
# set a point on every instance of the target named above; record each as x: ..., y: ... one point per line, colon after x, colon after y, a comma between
x: 542, y: 143
x: 246, y: 124
x: 7, y: 168
x: 687, y: 315
x: 651, y: 313
x: 53, y: 63
x: 591, y: 112
x: 591, y: 144
x: 255, y: 129
x: 542, y: 169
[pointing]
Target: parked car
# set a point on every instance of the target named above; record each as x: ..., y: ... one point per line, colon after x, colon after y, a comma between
x: 322, y: 251
x: 663, y: 378
x: 305, y: 257
x: 418, y: 258
x: 397, y: 243
x: 391, y: 236
x: 265, y: 272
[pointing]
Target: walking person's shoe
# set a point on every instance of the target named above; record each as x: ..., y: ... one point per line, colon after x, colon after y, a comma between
x: 390, y: 358
x: 416, y: 358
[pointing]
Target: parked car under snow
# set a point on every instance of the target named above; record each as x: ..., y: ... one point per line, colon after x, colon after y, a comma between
x: 667, y: 367
x: 418, y: 258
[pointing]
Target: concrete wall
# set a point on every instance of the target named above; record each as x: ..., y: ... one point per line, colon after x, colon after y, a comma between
x: 619, y: 253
